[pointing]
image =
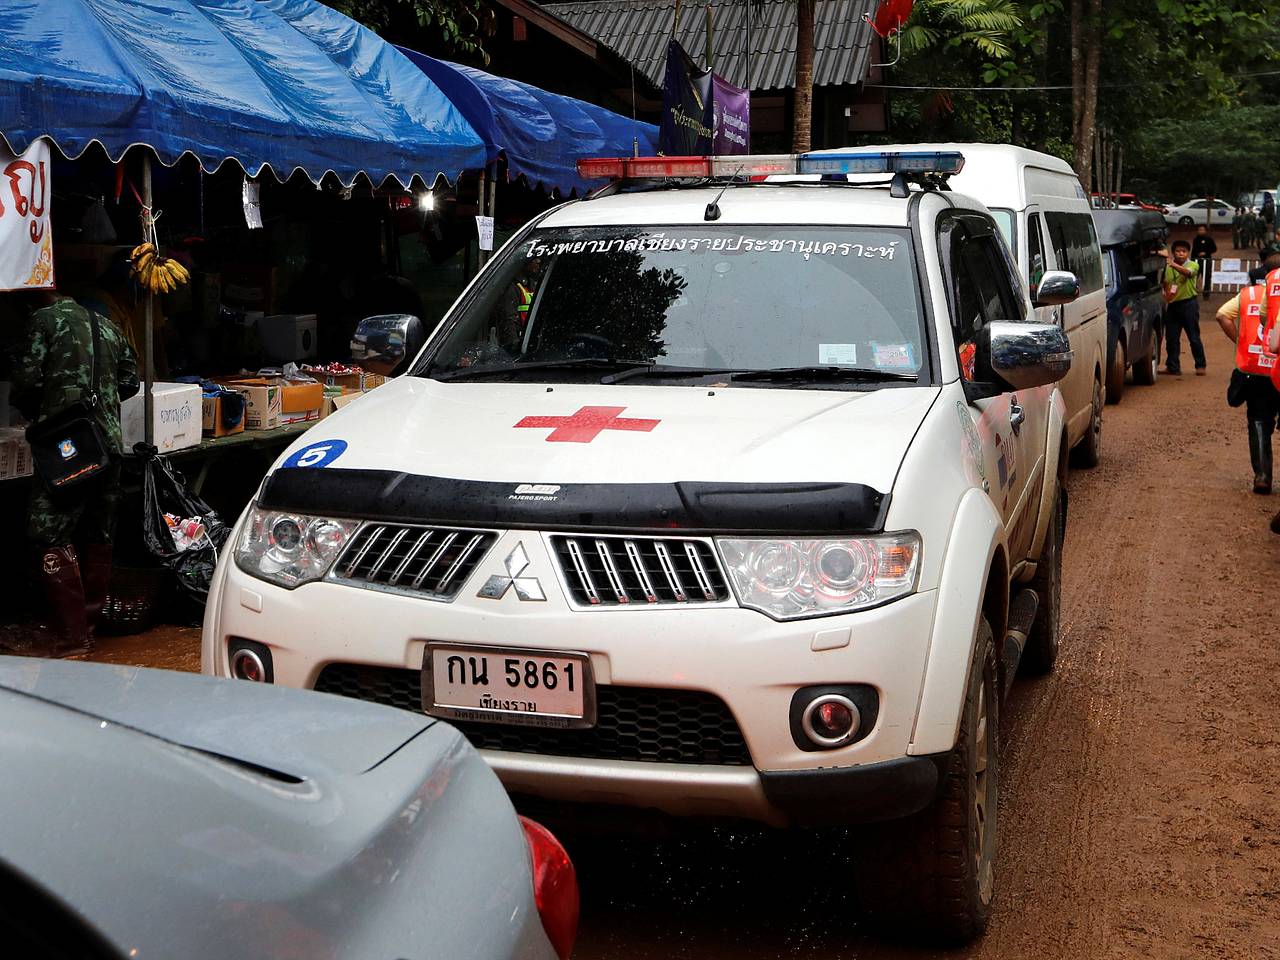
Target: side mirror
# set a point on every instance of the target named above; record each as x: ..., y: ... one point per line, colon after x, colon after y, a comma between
x: 1018, y: 356
x: 1057, y: 287
x: 383, y: 343
x: 1139, y: 284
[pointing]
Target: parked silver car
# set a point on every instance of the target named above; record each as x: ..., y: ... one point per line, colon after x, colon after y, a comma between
x: 145, y: 813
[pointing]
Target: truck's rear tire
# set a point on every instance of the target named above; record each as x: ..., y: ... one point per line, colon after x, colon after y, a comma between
x: 1145, y: 373
x: 1115, y: 375
x: 935, y: 870
x: 1041, y: 651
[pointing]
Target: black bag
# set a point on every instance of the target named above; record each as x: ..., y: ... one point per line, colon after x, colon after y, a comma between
x: 1237, y: 389
x: 165, y: 491
x: 67, y: 448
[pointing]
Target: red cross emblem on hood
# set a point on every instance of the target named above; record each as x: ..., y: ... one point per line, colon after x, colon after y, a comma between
x: 587, y: 424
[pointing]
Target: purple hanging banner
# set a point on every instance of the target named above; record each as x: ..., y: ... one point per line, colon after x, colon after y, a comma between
x: 731, y: 109
x: 686, y: 106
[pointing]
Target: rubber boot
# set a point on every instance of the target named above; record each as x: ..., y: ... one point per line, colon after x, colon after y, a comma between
x: 1260, y: 455
x: 95, y: 572
x: 64, y: 591
x: 1275, y: 523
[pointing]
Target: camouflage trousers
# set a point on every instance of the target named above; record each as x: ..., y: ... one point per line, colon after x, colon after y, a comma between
x: 86, y: 514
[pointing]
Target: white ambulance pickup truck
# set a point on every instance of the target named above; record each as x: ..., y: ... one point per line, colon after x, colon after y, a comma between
x: 713, y: 494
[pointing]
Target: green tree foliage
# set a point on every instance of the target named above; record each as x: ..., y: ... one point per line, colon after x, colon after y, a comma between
x: 951, y: 26
x: 1170, y: 72
x: 458, y: 26
x: 1194, y: 158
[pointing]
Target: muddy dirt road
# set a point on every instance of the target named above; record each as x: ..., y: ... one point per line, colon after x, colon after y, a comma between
x: 1140, y: 811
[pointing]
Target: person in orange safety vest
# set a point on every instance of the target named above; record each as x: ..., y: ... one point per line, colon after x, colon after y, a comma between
x: 1248, y: 319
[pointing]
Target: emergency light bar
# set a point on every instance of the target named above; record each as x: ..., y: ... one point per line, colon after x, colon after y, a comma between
x: 765, y: 165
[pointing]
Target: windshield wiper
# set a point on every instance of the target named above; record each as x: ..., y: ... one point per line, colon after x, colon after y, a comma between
x: 814, y: 374
x: 666, y: 370
x: 574, y: 364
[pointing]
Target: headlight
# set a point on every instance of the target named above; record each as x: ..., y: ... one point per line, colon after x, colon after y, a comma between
x: 290, y: 549
x: 790, y: 579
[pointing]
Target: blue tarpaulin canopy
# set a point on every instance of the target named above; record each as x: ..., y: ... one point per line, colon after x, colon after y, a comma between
x: 543, y: 135
x: 284, y: 84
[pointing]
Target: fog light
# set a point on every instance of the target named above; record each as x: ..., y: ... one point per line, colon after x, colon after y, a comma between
x: 830, y: 720
x: 250, y: 661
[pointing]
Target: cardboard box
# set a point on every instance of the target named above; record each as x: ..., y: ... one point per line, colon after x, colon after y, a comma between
x: 262, y: 403
x: 346, y: 381
x: 15, y: 455
x: 301, y: 396
x: 176, y: 417
x: 214, y: 423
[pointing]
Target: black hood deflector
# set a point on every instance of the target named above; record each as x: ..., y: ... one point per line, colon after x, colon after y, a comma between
x: 687, y: 506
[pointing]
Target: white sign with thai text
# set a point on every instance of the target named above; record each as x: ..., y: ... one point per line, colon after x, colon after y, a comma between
x: 26, y: 237
x: 1230, y: 265
x: 484, y: 227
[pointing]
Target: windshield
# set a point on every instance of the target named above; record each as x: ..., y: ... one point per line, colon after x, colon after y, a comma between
x: 698, y: 297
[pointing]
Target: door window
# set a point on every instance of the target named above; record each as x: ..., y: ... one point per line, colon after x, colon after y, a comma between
x: 980, y: 284
x: 1036, y: 262
x: 1075, y: 246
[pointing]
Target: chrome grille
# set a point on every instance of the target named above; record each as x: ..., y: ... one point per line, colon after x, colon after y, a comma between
x: 616, y: 571
x: 428, y: 561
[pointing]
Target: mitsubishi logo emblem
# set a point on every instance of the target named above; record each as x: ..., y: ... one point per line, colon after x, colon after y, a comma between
x: 527, y: 588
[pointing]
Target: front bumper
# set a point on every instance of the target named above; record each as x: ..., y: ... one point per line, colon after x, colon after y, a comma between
x: 750, y: 662
x: 817, y: 797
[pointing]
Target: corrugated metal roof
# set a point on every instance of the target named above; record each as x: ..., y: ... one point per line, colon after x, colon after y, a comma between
x: 638, y: 30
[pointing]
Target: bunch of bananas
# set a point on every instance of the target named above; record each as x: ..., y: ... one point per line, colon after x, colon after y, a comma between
x: 156, y: 273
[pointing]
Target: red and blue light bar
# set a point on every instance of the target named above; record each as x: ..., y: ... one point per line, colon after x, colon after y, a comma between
x: 944, y: 163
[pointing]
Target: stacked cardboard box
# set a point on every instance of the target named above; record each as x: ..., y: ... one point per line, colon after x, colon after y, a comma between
x: 273, y: 401
x: 214, y: 419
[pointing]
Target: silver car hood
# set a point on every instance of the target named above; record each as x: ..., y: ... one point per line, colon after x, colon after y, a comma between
x: 336, y: 829
x: 307, y: 737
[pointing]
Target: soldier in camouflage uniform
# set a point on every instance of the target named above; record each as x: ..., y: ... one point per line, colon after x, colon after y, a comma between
x: 72, y: 530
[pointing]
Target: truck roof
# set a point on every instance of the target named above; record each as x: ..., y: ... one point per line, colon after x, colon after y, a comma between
x: 800, y: 202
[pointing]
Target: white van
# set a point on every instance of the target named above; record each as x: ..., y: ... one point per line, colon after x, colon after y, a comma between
x: 1044, y: 215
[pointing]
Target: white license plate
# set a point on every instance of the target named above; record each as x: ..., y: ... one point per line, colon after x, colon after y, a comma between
x: 498, y: 685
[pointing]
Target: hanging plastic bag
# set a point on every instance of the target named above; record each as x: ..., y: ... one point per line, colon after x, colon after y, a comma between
x: 164, y: 491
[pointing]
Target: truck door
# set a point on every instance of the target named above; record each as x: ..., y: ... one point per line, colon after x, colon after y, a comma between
x: 1010, y: 426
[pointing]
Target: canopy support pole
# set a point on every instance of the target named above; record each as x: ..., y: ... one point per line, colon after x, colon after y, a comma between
x: 480, y: 253
x: 148, y: 305
x: 493, y: 202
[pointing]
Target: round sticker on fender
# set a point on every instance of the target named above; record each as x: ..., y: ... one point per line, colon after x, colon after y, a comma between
x: 317, y: 455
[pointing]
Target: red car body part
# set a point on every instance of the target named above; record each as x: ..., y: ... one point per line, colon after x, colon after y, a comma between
x: 555, y: 887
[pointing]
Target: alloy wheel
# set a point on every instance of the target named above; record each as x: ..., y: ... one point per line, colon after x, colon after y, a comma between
x: 984, y: 801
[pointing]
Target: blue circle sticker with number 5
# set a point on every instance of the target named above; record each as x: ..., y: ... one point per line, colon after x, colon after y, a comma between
x: 317, y: 455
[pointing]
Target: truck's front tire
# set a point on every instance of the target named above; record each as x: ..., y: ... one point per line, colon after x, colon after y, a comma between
x: 935, y: 869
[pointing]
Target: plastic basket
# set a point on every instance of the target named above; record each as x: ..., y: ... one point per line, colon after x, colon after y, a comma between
x: 131, y: 599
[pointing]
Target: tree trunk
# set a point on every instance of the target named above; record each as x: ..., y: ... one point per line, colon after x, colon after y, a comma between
x: 1086, y: 56
x: 1084, y: 158
x: 802, y: 117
